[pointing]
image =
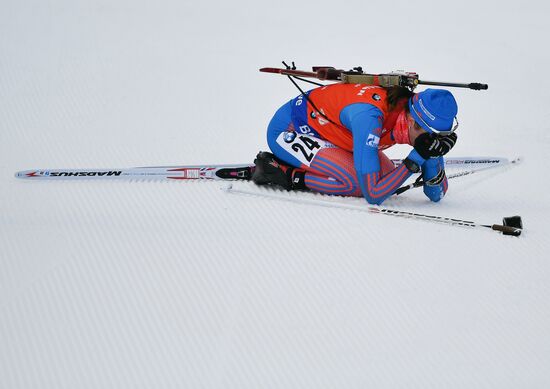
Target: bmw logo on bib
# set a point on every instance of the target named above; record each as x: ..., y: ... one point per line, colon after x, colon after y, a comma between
x: 289, y: 136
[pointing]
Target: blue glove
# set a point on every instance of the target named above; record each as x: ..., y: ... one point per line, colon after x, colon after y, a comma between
x: 435, y: 180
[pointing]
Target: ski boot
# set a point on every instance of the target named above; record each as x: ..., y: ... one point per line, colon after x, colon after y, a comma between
x: 269, y: 171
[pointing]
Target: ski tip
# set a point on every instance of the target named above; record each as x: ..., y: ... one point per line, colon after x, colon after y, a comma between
x: 27, y: 174
x: 517, y: 160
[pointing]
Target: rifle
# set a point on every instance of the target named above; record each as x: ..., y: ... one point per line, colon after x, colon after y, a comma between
x: 357, y: 76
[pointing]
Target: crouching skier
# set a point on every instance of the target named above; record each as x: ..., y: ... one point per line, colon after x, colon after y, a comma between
x: 331, y: 141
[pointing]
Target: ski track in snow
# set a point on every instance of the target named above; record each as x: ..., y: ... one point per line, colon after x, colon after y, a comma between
x: 179, y: 284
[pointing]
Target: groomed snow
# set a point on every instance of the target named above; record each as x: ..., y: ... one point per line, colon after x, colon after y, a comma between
x: 181, y: 285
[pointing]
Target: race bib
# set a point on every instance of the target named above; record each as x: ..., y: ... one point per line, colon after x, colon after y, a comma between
x: 302, y: 147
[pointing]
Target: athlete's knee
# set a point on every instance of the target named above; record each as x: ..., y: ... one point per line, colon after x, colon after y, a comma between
x: 373, y: 200
x: 329, y: 184
x: 348, y: 189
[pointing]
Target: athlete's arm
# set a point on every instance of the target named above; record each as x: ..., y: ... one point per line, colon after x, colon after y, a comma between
x: 365, y: 122
x: 435, y: 180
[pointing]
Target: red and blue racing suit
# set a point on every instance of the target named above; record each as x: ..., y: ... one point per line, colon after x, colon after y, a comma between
x: 359, y: 126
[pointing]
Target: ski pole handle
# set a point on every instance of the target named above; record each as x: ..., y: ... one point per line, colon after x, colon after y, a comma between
x: 507, y: 230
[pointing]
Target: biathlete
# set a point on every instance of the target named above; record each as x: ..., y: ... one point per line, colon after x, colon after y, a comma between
x: 331, y: 141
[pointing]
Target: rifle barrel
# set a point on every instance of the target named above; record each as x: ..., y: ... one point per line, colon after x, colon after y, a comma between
x: 472, y: 85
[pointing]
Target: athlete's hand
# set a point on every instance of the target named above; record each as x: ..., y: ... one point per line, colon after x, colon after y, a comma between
x: 432, y: 145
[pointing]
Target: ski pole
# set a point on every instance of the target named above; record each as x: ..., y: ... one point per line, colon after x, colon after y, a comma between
x: 511, y: 225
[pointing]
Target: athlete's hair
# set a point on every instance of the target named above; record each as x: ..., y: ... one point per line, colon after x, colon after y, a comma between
x: 397, y: 93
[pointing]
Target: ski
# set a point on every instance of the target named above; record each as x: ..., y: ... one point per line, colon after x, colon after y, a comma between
x: 502, y: 163
x: 195, y: 172
x: 469, y: 162
x: 202, y: 172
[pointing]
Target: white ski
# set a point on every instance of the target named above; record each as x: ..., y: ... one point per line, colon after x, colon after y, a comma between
x: 198, y: 172
x: 203, y: 172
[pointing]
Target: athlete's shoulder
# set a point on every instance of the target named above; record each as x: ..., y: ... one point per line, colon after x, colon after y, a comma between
x: 359, y: 89
x: 353, y: 93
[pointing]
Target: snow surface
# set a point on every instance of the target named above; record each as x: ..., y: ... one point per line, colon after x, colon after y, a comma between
x: 180, y: 285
